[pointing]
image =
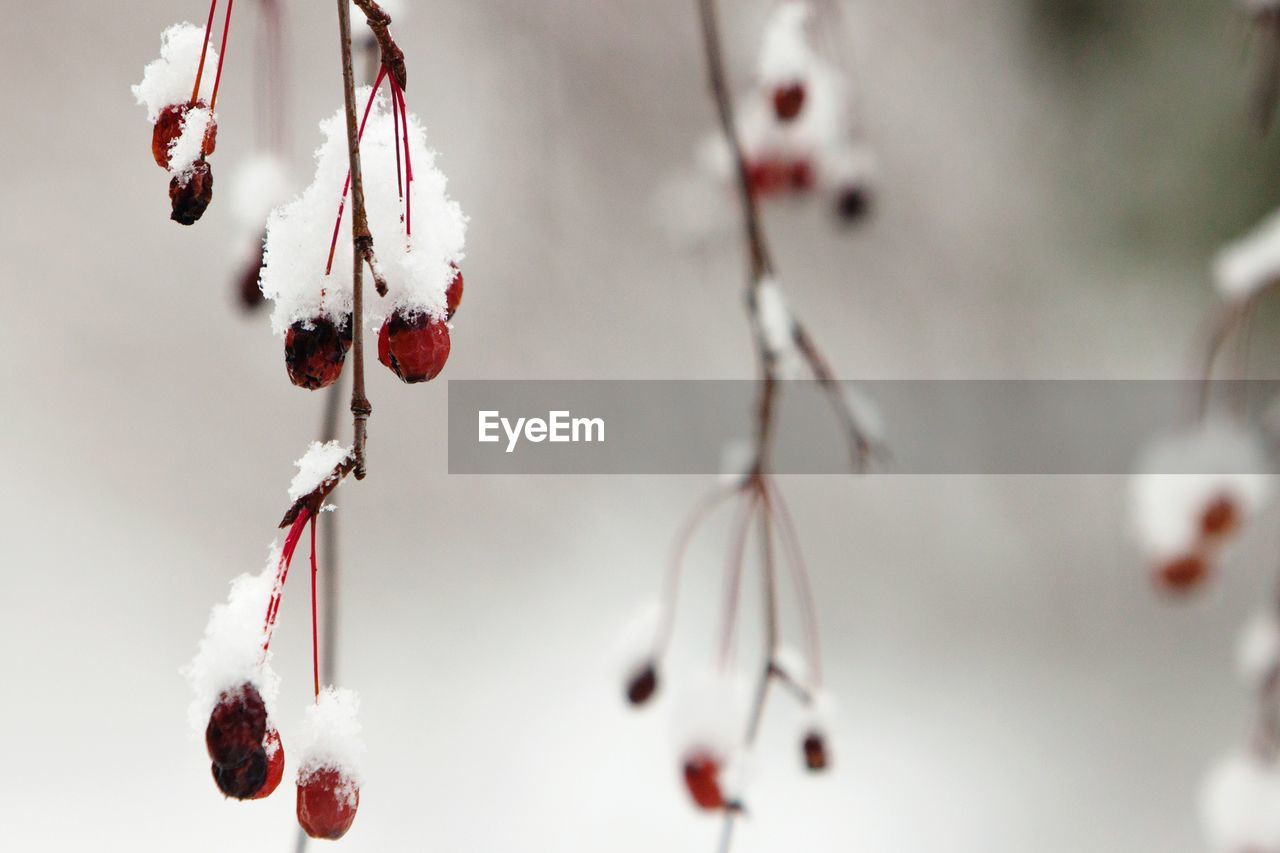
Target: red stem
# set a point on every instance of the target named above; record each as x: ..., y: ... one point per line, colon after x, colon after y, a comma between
x: 222, y: 55
x: 208, y: 29
x: 395, y: 118
x: 282, y: 573
x: 346, y: 187
x: 315, y: 639
x: 408, y: 161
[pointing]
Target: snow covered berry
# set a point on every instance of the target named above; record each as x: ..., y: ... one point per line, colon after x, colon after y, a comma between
x: 1220, y: 518
x: 453, y: 295
x: 329, y: 768
x: 415, y: 348
x: 169, y: 127
x: 190, y: 193
x: 244, y: 781
x: 643, y: 685
x: 814, y: 746
x: 327, y: 804
x: 236, y: 727
x: 702, y: 778
x: 788, y: 101
x: 314, y: 351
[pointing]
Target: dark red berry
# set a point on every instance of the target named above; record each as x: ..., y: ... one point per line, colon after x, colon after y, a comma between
x: 702, y: 778
x: 190, y: 193
x: 768, y: 177
x: 801, y: 176
x: 643, y: 685
x: 853, y: 203
x: 248, y: 291
x: 327, y: 804
x: 453, y: 296
x: 788, y: 101
x: 1182, y: 574
x: 275, y: 764
x: 314, y: 352
x: 168, y: 128
x: 1220, y: 518
x: 415, y: 349
x: 244, y: 781
x: 815, y: 751
x: 236, y: 727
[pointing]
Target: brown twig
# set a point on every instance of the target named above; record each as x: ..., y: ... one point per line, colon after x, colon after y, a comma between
x: 362, y: 242
x: 392, y: 56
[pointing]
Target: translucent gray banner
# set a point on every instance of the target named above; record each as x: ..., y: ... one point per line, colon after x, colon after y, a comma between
x: 927, y: 427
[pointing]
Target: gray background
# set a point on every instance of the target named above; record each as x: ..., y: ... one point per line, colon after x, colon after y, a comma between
x: 1054, y: 175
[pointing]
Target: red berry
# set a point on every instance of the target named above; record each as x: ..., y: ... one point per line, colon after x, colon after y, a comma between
x: 236, y: 727
x: 701, y: 777
x: 1182, y: 574
x: 190, y: 193
x: 1220, y: 518
x: 768, y: 177
x: 314, y: 352
x: 801, y: 175
x: 788, y: 100
x: 275, y: 764
x: 415, y: 349
x: 327, y: 804
x: 643, y: 685
x: 453, y: 296
x: 244, y: 781
x: 168, y: 128
x: 815, y: 751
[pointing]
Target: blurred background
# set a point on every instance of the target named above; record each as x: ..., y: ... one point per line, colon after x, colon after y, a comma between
x: 1055, y: 175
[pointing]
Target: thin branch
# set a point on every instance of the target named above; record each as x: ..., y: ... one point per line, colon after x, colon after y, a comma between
x: 362, y: 243
x: 392, y: 56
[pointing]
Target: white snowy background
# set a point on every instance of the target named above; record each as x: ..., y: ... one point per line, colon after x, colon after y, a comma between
x: 1053, y: 186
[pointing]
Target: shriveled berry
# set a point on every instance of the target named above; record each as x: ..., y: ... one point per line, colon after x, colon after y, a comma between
x: 453, y: 296
x: 643, y: 685
x: 314, y: 352
x: 702, y: 778
x: 815, y: 751
x: 275, y: 764
x: 236, y: 727
x: 244, y: 781
x: 415, y: 349
x: 1220, y: 518
x: 168, y: 128
x: 853, y: 203
x: 327, y: 804
x: 190, y: 193
x: 1182, y: 574
x: 788, y: 101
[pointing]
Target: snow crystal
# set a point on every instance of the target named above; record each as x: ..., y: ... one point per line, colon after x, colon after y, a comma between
x: 230, y: 653
x: 189, y: 146
x: 169, y: 79
x: 316, y: 464
x: 259, y: 183
x: 330, y: 737
x: 1181, y: 475
x: 785, y: 55
x: 1258, y: 649
x: 1244, y: 267
x: 417, y: 269
x: 1240, y: 805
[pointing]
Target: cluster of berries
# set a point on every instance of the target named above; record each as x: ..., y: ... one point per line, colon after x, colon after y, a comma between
x: 191, y: 188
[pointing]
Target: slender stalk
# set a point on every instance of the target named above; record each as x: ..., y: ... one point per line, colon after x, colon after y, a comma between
x: 204, y: 52
x: 222, y: 55
x: 362, y: 243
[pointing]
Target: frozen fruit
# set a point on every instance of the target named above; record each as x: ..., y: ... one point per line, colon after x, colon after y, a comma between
x: 416, y: 348
x: 243, y: 781
x: 453, y: 296
x: 643, y: 685
x: 327, y: 803
x: 236, y: 727
x: 1220, y: 518
x: 788, y: 101
x: 815, y: 751
x: 275, y: 764
x: 1182, y: 574
x: 314, y: 352
x: 190, y: 193
x: 853, y: 203
x: 168, y: 128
